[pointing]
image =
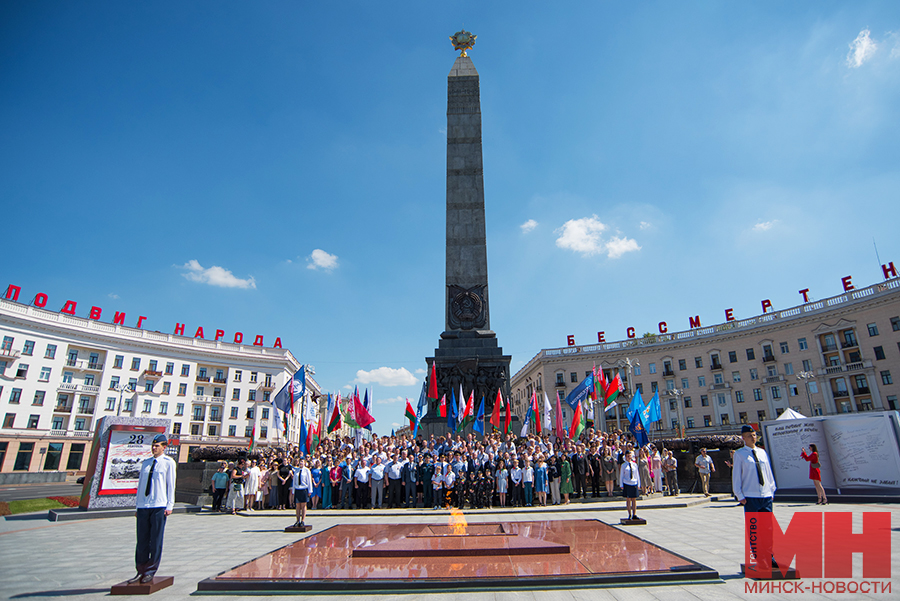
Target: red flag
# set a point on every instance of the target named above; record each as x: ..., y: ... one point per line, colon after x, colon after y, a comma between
x: 410, y: 415
x: 443, y: 407
x: 363, y: 417
x: 495, y: 415
x: 508, y: 416
x: 536, y: 412
x: 432, y: 384
x: 559, y: 419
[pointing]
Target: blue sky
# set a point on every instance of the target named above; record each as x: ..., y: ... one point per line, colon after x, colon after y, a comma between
x: 278, y: 168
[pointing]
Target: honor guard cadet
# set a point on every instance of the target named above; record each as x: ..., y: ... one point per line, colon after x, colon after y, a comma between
x: 155, y: 499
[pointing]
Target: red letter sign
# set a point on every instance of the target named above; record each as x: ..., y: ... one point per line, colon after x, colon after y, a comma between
x: 570, y: 339
x: 95, y: 313
x: 601, y: 336
x: 199, y: 332
x: 695, y: 321
x: 69, y: 307
x: 179, y: 329
x: 40, y: 300
x: 119, y: 318
x: 258, y: 341
x: 729, y: 314
x: 630, y: 332
x: 889, y: 272
x: 220, y: 334
x: 847, y: 284
x: 277, y: 343
x: 805, y: 293
x: 663, y: 327
x: 12, y: 292
x: 238, y: 337
x: 766, y: 305
x: 141, y: 319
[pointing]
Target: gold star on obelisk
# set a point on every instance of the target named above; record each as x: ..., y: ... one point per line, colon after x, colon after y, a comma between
x: 463, y: 40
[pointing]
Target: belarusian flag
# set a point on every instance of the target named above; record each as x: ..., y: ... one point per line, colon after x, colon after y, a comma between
x: 614, y: 388
x: 410, y: 415
x: 495, y: 414
x: 432, y: 384
x: 253, y: 438
x: 536, y: 412
x: 468, y: 412
x: 442, y: 409
x: 334, y: 420
x: 578, y: 423
x: 508, y: 417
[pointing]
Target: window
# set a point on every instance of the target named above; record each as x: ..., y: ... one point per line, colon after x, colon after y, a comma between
x: 739, y: 396
x: 789, y: 369
x: 757, y: 394
x: 807, y: 366
x: 195, y: 429
x: 701, y: 381
x: 110, y: 403
x: 673, y: 406
x: 637, y: 369
x: 214, y: 413
x: 892, y: 402
x: 176, y: 428
x: 573, y: 377
x: 33, y: 422
x: 732, y: 357
x: 148, y: 406
x: 754, y: 375
x: 714, y: 359
x: 213, y: 430
x: 725, y: 419
x: 639, y: 387
x: 170, y: 368
x: 114, y: 383
x: 265, y: 413
x: 200, y: 391
x: 185, y: 369
x: 232, y: 430
x: 148, y: 386
x: 654, y: 387
x: 761, y: 415
x: 135, y: 364
x: 73, y: 358
x: 801, y: 343
x: 698, y: 362
x: 687, y: 402
x: 217, y: 392
x: 163, y: 408
x: 15, y: 395
x: 167, y: 387
x: 793, y: 390
x: 735, y: 376
x: 750, y: 354
x: 45, y: 374
x: 784, y: 348
x: 198, y: 413
x: 667, y: 367
x: 38, y: 397
x: 267, y: 396
x: 682, y: 364
x: 251, y: 395
x: 132, y: 384
x: 28, y: 348
x: 652, y: 368
x: 50, y: 353
x: 182, y: 389
x: 684, y: 383
x: 9, y: 420
x: 237, y: 375
x: 560, y: 379
x: 201, y: 373
x: 2, y: 368
x: 234, y: 413
x: 179, y: 409
x: 879, y: 352
x: 895, y: 324
x: 707, y: 421
x: 873, y: 329
x: 886, y: 377
x: 22, y: 371
x: 813, y: 387
x: 675, y: 424
x: 153, y: 365
x: 253, y: 377
x: 118, y: 361
x: 23, y: 457
x: 776, y: 392
x: 742, y: 416
x: 704, y: 400
x: 57, y: 424
x: 263, y: 432
x: 690, y: 423
x: 129, y: 405
x: 250, y: 413
x: 670, y: 384
x: 7, y: 343
x: 718, y: 379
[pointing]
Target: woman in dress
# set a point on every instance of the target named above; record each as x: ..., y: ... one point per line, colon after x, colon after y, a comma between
x: 502, y: 482
x: 609, y: 464
x: 326, y: 483
x: 565, y: 479
x: 317, y: 483
x: 262, y: 495
x: 645, y: 472
x: 541, y: 486
x: 814, y: 473
x: 656, y: 468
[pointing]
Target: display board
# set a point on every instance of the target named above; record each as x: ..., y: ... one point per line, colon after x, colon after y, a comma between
x: 127, y: 448
x: 856, y: 451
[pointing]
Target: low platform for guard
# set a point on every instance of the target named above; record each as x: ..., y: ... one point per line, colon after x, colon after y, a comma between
x: 138, y: 588
x: 303, y: 528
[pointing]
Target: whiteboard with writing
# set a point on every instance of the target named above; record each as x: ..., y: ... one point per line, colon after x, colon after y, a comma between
x: 855, y: 451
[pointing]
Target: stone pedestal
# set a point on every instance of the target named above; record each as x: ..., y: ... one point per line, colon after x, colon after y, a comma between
x: 138, y: 588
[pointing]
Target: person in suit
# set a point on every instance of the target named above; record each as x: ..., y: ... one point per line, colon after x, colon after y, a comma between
x: 155, y: 500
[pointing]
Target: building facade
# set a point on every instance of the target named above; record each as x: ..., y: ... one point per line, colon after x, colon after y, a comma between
x: 837, y: 355
x: 60, y: 374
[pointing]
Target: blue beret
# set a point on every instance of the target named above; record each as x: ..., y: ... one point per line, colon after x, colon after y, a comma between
x: 745, y: 429
x: 161, y: 438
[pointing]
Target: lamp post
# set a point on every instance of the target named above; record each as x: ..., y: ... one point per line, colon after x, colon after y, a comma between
x: 630, y: 365
x: 121, y: 388
x: 678, y: 393
x: 806, y: 376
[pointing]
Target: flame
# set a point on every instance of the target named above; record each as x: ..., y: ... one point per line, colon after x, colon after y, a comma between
x: 457, y: 521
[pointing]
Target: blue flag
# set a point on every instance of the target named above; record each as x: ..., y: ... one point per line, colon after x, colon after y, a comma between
x: 651, y: 413
x: 451, y: 412
x: 581, y: 392
x: 366, y: 405
x: 636, y: 406
x: 637, y: 430
x: 291, y: 392
x: 479, y: 419
x: 421, y: 409
x: 302, y: 434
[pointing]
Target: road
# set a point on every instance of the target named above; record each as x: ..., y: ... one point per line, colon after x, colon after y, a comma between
x: 16, y: 492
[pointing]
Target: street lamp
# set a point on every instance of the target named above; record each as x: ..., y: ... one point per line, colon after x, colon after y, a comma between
x: 628, y: 363
x: 806, y: 376
x: 678, y: 393
x: 121, y: 388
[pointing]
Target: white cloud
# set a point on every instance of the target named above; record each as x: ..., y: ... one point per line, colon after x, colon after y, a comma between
x: 645, y: 225
x: 420, y: 371
x: 528, y: 226
x: 390, y: 401
x: 387, y: 376
x: 348, y: 387
x: 584, y: 236
x: 895, y: 51
x: 215, y: 276
x: 861, y: 49
x: 319, y: 259
x: 113, y: 296
x: 764, y: 226
x: 395, y: 426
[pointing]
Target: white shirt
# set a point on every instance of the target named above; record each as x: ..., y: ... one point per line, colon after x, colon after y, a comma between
x: 362, y: 475
x: 744, y: 477
x: 162, y: 485
x: 630, y: 474
x: 303, y: 479
x: 515, y: 475
x: 378, y: 471
x: 705, y: 465
x: 528, y: 474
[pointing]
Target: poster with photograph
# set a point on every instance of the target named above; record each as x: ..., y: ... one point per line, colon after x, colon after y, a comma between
x: 128, y: 447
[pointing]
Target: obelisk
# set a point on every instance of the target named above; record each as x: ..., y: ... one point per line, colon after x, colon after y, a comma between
x: 468, y: 354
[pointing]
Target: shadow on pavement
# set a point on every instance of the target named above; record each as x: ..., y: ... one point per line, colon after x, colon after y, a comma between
x: 61, y: 593
x: 26, y: 517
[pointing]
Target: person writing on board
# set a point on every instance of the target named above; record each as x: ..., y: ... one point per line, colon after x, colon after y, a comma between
x: 814, y: 474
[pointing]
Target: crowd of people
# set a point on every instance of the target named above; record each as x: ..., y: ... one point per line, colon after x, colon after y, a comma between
x: 448, y: 471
